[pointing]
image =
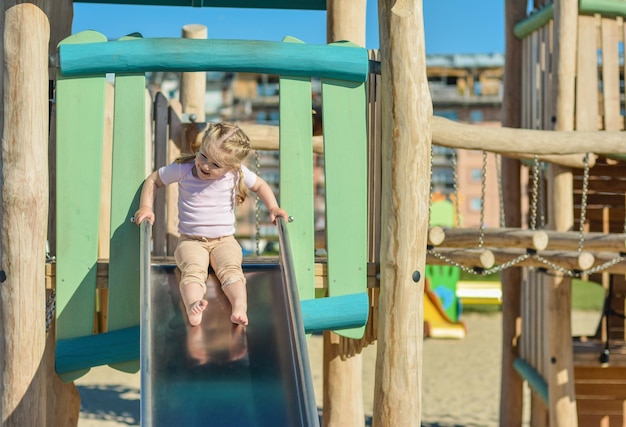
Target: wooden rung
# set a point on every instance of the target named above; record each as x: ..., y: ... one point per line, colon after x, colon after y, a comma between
x: 480, y: 258
x: 601, y: 406
x: 436, y: 235
x: 593, y: 241
x: 612, y: 390
x: 492, y: 237
x: 568, y: 260
x: 600, y: 420
x: 600, y: 374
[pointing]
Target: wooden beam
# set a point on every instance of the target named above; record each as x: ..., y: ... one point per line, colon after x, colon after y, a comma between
x: 492, y: 237
x: 451, y: 134
x: 592, y: 241
x: 265, y: 137
x: 473, y: 258
x: 567, y: 160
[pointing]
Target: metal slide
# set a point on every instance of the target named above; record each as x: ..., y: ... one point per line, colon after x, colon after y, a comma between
x: 221, y: 374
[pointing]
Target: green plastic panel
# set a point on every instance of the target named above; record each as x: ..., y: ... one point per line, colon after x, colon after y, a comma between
x: 443, y: 283
x: 345, y: 159
x: 80, y: 128
x: 296, y: 175
x: 129, y: 172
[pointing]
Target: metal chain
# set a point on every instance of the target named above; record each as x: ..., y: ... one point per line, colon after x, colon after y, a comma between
x: 50, y: 309
x: 498, y: 158
x: 455, y: 178
x: 542, y: 196
x: 523, y: 257
x: 583, y: 204
x: 432, y: 187
x: 507, y: 264
x: 447, y: 260
x: 474, y: 271
x: 257, y: 213
x: 556, y: 267
x: 483, y: 186
x: 534, y: 194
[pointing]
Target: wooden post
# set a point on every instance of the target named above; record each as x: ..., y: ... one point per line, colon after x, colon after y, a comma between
x: 406, y: 144
x: 60, y: 14
x: 511, y: 384
x: 193, y: 84
x: 343, y: 389
x: 23, y: 213
x: 171, y: 191
x: 559, y: 346
x: 192, y: 95
x: 345, y: 20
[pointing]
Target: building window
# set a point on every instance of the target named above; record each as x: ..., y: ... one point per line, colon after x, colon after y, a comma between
x: 476, y: 116
x: 475, y: 204
x: 476, y: 175
x: 447, y: 114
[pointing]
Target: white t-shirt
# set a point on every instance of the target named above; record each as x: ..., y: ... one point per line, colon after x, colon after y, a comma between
x: 205, y: 207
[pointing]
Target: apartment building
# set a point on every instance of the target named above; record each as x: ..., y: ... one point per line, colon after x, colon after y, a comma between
x: 464, y: 87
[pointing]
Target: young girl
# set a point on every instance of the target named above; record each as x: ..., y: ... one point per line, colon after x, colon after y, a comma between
x: 210, y: 184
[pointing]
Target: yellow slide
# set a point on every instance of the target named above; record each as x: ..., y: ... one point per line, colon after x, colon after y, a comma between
x: 437, y: 324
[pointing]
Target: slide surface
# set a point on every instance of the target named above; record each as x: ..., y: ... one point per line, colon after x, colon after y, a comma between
x: 437, y: 324
x: 221, y: 374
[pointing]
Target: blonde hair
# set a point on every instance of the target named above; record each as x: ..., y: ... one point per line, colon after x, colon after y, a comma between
x: 229, y: 146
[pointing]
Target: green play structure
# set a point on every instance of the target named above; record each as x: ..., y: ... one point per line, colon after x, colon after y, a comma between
x: 85, y: 59
x: 444, y: 278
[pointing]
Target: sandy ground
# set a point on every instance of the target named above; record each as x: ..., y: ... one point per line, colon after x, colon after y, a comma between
x: 461, y: 379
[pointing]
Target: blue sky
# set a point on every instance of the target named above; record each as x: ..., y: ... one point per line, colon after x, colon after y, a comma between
x: 451, y: 26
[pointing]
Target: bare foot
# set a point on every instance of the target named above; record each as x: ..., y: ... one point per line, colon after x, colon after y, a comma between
x: 239, y: 315
x: 194, y: 312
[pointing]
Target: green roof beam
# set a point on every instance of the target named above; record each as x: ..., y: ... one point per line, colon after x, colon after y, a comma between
x: 246, y: 4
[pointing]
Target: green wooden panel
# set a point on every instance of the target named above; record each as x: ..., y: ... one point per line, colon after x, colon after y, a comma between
x: 296, y: 175
x: 80, y: 129
x: 128, y: 174
x: 345, y: 160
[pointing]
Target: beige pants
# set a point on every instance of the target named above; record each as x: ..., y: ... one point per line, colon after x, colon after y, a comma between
x: 194, y: 254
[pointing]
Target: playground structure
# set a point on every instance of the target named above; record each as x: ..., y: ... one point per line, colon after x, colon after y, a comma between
x: 399, y: 200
